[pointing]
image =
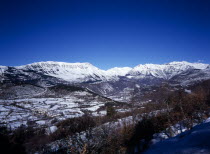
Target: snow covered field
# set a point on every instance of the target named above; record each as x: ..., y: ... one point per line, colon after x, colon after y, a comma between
x: 42, y: 111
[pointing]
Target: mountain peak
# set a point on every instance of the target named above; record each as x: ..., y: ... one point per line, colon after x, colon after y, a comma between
x: 196, y: 65
x: 118, y: 71
x: 72, y: 72
x: 165, y: 71
x: 59, y: 63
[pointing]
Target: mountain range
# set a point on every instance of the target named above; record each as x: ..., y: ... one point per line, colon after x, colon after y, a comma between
x: 114, y: 83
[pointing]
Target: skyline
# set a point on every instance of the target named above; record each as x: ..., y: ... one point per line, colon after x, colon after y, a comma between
x: 106, y: 34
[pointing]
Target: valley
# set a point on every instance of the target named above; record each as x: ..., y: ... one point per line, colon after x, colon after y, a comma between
x: 67, y: 101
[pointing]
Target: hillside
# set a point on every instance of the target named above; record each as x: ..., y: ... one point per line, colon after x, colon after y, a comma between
x: 194, y: 141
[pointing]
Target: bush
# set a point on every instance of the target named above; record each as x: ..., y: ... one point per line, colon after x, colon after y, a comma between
x: 71, y: 126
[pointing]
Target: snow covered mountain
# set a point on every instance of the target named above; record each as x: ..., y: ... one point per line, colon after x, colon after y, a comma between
x: 144, y: 77
x: 86, y: 72
x: 165, y: 71
x: 116, y: 72
x: 110, y: 83
x: 72, y: 72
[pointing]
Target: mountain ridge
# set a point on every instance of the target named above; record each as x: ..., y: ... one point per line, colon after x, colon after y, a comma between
x: 112, y: 83
x: 86, y: 72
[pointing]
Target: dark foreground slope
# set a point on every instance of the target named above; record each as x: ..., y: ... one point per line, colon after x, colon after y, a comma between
x: 194, y: 141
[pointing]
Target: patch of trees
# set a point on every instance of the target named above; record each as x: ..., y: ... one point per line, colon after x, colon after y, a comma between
x: 73, y: 125
x: 8, y: 144
x: 22, y: 140
x: 189, y: 109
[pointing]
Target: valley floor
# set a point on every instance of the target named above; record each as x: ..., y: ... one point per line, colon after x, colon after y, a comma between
x: 42, y: 111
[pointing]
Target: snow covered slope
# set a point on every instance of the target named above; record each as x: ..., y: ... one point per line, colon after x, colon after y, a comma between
x: 72, y: 72
x: 2, y: 69
x: 87, y: 73
x: 75, y: 72
x: 21, y: 104
x: 165, y: 71
x: 118, y: 71
x: 194, y: 141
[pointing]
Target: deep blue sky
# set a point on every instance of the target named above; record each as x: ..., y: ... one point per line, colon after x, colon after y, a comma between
x: 104, y: 33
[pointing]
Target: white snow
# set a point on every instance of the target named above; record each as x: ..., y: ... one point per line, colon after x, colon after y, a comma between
x: 94, y: 108
x: 75, y: 71
x: 15, y: 112
x: 195, y: 65
x: 41, y: 122
x: 165, y: 71
x: 52, y: 129
x: 188, y: 91
x: 190, y: 142
x: 207, y: 120
x: 3, y: 69
x: 118, y: 71
x: 83, y: 72
x: 66, y: 71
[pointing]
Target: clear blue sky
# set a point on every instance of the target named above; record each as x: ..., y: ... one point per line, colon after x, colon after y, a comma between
x: 104, y: 33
